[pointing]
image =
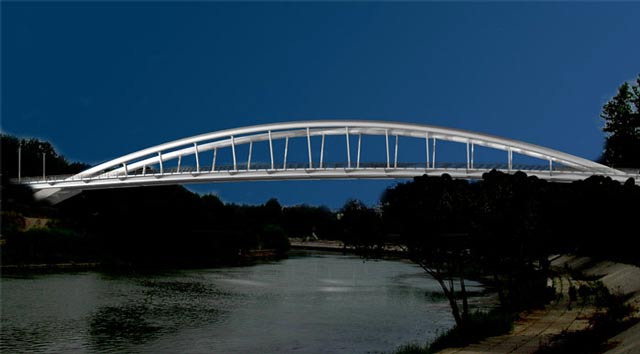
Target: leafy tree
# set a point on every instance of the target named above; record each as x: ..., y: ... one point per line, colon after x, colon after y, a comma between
x: 431, y: 218
x: 304, y: 221
x: 273, y: 237
x: 622, y: 125
x: 361, y: 226
x: 272, y: 211
x: 512, y: 235
x: 32, y: 151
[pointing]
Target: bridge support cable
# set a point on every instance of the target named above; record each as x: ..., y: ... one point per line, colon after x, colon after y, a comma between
x: 195, y: 147
x: 286, y: 148
x: 179, y: 163
x: 309, y: 148
x: 509, y: 159
x: 249, y: 159
x: 426, y: 143
x: 433, y: 158
x: 233, y: 152
x: 126, y: 170
x: 550, y: 167
x: 395, y: 154
x: 160, y: 162
x: 321, y: 150
x: 271, y: 150
x: 359, y: 143
x: 468, y: 157
x: 213, y: 163
x: 346, y: 130
x: 472, y: 146
x: 386, y: 140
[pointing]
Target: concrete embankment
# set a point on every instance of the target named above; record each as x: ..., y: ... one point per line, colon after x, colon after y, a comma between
x: 620, y: 279
x: 539, y: 327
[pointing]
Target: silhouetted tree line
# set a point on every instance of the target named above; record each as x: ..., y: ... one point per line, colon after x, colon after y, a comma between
x: 150, y: 226
x: 504, y: 228
x: 161, y: 226
x: 32, y: 151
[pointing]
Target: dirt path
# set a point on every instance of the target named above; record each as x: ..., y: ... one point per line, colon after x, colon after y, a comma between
x: 537, y: 327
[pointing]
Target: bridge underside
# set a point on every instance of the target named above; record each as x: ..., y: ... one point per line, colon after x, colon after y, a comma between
x: 59, y: 190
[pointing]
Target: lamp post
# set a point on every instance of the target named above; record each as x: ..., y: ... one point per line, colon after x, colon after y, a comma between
x: 19, y: 160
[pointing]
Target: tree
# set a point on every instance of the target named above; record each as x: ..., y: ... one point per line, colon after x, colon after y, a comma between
x: 513, y: 236
x: 432, y: 221
x: 361, y: 227
x: 622, y: 126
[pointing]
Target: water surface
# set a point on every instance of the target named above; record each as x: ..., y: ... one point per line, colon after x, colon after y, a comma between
x: 311, y: 303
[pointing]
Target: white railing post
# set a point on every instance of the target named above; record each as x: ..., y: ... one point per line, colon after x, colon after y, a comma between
x: 160, y: 162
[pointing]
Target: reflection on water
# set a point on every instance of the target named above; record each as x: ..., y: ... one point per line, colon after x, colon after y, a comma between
x: 309, y: 304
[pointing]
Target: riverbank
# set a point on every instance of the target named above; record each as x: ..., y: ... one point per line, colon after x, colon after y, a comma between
x: 320, y: 245
x: 248, y: 258
x: 621, y: 279
x: 48, y: 267
x: 541, y: 328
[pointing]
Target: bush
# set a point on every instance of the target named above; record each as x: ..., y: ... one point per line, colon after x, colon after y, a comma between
x: 479, y: 325
x: 413, y: 349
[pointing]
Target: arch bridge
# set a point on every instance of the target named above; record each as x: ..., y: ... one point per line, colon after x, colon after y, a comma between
x: 197, y: 159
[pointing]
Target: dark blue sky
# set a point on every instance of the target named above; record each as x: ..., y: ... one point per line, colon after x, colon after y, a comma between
x: 103, y: 79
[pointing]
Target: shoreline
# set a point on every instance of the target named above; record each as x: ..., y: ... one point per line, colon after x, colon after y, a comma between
x: 539, y: 328
x: 47, y: 267
x: 320, y: 245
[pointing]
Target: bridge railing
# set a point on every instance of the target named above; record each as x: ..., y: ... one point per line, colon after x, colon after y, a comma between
x: 440, y: 167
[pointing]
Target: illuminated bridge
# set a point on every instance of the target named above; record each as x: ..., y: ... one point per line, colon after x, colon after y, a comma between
x: 300, y: 151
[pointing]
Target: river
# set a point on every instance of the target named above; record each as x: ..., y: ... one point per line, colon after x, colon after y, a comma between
x: 311, y: 302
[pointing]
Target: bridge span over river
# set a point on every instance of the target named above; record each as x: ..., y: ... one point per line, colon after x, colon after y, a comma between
x: 299, y: 151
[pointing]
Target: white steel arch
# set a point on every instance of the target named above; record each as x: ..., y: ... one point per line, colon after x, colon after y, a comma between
x: 149, y: 166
